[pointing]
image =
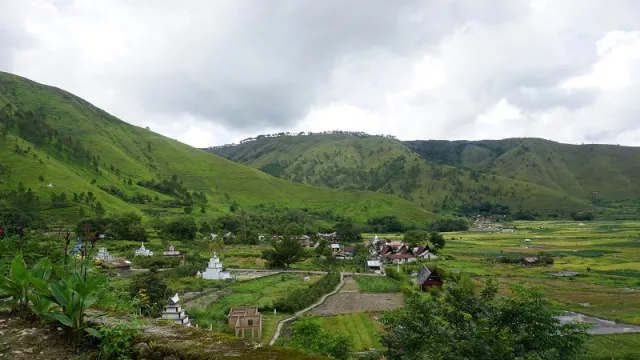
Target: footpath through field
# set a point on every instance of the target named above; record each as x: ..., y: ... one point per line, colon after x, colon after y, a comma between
x: 276, y: 335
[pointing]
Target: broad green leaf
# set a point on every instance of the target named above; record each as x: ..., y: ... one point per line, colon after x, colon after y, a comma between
x: 63, y: 319
x: 61, y: 294
x: 19, y: 270
x: 93, y: 332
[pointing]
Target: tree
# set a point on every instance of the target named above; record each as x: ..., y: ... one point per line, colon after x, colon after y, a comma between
x: 458, y: 324
x: 99, y: 209
x: 205, y: 227
x: 348, y: 232
x: 203, y: 210
x: 183, y: 228
x: 150, y: 292
x: 437, y: 240
x: 284, y: 252
x: 416, y: 237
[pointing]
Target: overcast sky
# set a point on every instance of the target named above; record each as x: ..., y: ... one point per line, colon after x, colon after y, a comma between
x: 210, y: 72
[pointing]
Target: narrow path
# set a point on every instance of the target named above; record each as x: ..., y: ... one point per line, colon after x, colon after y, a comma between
x: 276, y: 335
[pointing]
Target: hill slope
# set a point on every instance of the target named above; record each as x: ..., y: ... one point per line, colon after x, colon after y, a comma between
x: 605, y: 172
x: 52, y: 142
x: 358, y: 161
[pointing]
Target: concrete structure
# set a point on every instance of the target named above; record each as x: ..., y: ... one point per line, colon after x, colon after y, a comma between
x: 173, y: 312
x: 77, y: 248
x: 103, y: 255
x: 375, y: 265
x: 143, y: 251
x: 215, y: 271
x: 172, y: 252
x: 244, y: 319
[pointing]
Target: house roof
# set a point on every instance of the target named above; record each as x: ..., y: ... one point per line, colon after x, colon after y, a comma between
x: 530, y: 259
x: 396, y: 243
x: 399, y: 256
x: 426, y: 274
x: 374, y: 263
x: 348, y: 249
x: 335, y: 246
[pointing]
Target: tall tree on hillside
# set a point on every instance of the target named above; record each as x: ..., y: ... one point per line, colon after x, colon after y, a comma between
x: 284, y: 252
x: 416, y: 237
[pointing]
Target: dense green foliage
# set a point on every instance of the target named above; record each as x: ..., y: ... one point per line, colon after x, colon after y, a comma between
x: 301, y: 298
x: 283, y: 252
x: 596, y: 173
x: 308, y: 335
x: 458, y: 324
x: 127, y: 226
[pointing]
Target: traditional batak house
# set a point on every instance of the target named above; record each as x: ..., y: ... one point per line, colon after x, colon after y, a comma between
x: 427, y: 279
x: 244, y: 319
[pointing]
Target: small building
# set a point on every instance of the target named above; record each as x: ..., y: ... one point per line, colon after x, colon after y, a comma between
x: 427, y: 279
x: 174, y: 312
x: 142, y: 251
x: 172, y: 252
x: 244, y: 319
x: 103, y: 255
x: 529, y: 261
x: 215, y: 270
x: 328, y: 236
x: 375, y: 265
x: 349, y: 250
x: 401, y: 258
x: 198, y: 275
x: 335, y: 248
x: 427, y: 255
x: 213, y: 236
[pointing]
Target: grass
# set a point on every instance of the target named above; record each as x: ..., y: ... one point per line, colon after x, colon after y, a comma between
x: 613, y: 347
x: 377, y: 284
x: 361, y: 328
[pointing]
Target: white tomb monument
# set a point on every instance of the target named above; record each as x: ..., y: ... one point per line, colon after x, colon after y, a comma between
x: 173, y: 312
x: 103, y: 255
x: 143, y: 251
x: 214, y: 270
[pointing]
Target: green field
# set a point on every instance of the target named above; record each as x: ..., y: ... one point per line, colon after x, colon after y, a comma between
x: 261, y: 292
x: 361, y: 328
x: 376, y: 284
x: 614, y: 347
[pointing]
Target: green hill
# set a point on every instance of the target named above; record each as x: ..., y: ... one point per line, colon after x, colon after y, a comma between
x: 594, y: 172
x: 61, y: 156
x: 355, y: 161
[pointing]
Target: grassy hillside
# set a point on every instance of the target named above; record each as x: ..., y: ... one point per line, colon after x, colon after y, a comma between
x: 594, y: 172
x: 362, y: 162
x: 49, y: 136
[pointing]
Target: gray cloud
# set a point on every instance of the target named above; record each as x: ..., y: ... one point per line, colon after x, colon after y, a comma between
x: 245, y: 67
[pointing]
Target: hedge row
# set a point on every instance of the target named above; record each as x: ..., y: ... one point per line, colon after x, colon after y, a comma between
x: 302, y: 298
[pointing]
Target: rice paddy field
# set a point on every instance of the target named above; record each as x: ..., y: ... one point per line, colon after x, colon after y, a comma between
x: 604, y: 254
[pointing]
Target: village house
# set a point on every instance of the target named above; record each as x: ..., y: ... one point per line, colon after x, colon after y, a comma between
x: 400, y: 258
x: 529, y: 261
x: 349, y: 250
x: 427, y: 279
x: 335, y: 248
x: 333, y: 237
x: 244, y: 319
x: 142, y: 251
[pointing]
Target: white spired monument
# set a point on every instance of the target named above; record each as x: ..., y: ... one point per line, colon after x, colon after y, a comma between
x: 173, y: 312
x: 214, y: 270
x: 143, y: 251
